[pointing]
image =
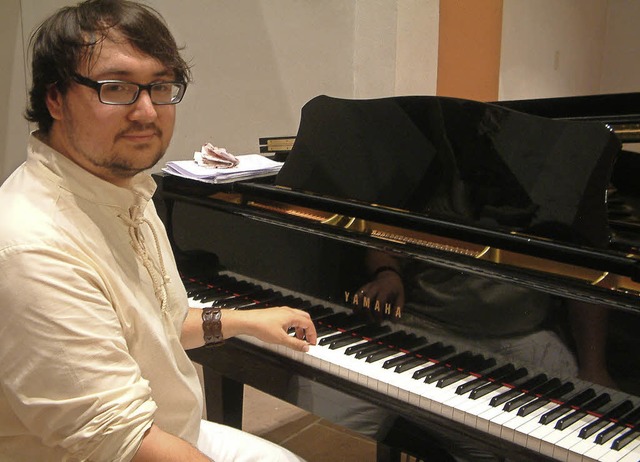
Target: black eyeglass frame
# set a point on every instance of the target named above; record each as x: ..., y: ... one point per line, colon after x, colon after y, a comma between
x: 98, y: 84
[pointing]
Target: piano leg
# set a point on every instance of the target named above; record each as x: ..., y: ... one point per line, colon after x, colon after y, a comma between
x: 224, y: 398
x: 232, y: 402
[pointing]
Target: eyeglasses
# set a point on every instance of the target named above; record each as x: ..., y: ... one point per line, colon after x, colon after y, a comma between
x: 119, y: 92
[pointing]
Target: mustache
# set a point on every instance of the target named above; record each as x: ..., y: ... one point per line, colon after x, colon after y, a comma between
x: 139, y: 128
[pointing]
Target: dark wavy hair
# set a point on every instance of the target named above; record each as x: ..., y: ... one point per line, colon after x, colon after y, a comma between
x: 75, y: 33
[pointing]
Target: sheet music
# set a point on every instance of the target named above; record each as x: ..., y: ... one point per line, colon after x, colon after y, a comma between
x: 250, y: 166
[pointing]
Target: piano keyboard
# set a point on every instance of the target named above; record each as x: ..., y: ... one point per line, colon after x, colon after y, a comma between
x: 556, y: 418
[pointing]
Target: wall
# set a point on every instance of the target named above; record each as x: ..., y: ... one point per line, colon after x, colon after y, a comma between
x: 13, y: 128
x: 569, y: 47
x: 256, y: 62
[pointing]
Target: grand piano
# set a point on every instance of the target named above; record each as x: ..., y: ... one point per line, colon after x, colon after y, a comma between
x: 472, y: 268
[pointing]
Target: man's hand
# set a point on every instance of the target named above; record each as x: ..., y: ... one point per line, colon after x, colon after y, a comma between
x: 272, y: 325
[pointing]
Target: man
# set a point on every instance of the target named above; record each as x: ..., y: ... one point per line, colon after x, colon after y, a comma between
x: 95, y: 317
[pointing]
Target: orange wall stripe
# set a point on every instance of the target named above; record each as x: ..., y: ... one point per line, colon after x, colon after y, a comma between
x: 469, y: 49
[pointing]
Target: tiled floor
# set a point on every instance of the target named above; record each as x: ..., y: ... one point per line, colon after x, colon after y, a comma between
x: 307, y: 435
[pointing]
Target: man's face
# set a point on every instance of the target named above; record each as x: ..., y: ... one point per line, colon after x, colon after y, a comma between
x: 114, y: 142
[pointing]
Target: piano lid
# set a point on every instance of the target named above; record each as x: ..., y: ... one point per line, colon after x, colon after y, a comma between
x: 473, y: 163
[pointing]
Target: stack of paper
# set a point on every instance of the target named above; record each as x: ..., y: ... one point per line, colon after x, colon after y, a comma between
x: 250, y: 166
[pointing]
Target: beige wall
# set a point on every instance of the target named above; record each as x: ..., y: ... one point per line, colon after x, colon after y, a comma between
x: 569, y: 47
x: 256, y: 62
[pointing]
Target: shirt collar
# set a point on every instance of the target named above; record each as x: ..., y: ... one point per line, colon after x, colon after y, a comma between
x: 71, y: 177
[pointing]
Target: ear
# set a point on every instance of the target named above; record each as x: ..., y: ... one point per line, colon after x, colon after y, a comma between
x: 54, y: 102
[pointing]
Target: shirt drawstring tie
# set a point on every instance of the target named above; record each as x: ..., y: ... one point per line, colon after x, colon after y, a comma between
x: 159, y: 275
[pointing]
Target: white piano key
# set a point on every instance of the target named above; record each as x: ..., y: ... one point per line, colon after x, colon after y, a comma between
x: 573, y: 446
x: 477, y: 407
x: 568, y: 438
x: 447, y: 405
x: 630, y: 453
x: 524, y: 431
x: 516, y: 427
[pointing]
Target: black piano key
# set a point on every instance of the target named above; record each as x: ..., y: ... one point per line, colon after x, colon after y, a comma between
x: 625, y: 439
x: 530, y: 395
x: 194, y: 288
x: 510, y: 394
x: 253, y: 300
x: 631, y: 419
x: 463, y: 361
x: 412, y: 343
x: 380, y: 355
x: 401, y: 343
x: 369, y: 339
x: 374, y: 334
x: 396, y: 345
x: 224, y: 288
x: 491, y: 386
x: 593, y: 405
x: 435, y: 370
x: 337, y: 336
x: 319, y: 312
x: 244, y: 290
x: 615, y: 413
x: 556, y: 393
x: 435, y: 350
x: 297, y: 302
x: 331, y: 323
x: 373, y: 348
x: 198, y: 294
x: 354, y: 334
x: 479, y: 364
x: 493, y: 375
x: 576, y: 401
x: 364, y: 349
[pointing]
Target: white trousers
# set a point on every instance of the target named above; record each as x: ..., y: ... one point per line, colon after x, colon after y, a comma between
x: 227, y: 444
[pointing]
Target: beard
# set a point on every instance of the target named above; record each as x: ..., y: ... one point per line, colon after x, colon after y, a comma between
x: 126, y: 162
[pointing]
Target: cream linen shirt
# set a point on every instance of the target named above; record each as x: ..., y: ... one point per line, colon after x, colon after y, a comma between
x: 90, y: 317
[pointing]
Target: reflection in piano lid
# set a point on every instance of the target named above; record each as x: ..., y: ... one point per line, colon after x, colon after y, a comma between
x: 514, y: 240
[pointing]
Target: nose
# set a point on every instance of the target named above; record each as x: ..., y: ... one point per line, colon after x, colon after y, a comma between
x: 143, y: 109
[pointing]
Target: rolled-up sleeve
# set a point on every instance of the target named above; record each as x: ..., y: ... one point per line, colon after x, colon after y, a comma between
x: 68, y: 378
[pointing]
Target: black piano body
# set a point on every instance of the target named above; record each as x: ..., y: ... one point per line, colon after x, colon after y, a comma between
x: 471, y: 203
